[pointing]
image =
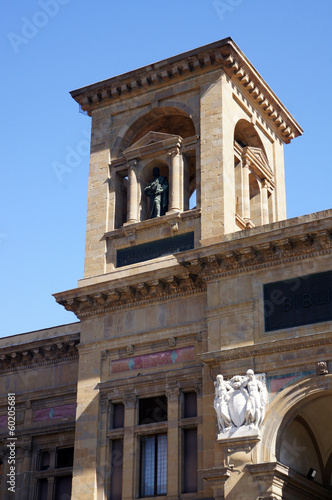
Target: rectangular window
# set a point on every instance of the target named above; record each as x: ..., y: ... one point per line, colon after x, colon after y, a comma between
x: 42, y: 489
x: 189, y: 404
x: 152, y: 410
x: 116, y: 468
x: 153, y: 465
x: 63, y: 487
x: 44, y: 460
x: 117, y: 416
x: 189, y: 460
x: 65, y: 458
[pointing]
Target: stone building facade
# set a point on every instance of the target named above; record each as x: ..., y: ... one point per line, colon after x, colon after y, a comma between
x: 129, y: 402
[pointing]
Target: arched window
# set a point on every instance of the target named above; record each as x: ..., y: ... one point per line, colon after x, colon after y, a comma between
x: 253, y: 178
x: 163, y: 138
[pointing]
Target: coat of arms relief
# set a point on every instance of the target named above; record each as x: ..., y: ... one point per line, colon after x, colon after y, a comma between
x: 240, y: 405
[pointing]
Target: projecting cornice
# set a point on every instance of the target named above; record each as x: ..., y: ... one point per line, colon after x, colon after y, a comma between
x: 42, y: 352
x: 273, y: 245
x: 224, y: 54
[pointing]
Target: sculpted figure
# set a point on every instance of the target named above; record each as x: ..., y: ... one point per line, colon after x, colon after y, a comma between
x: 157, y: 191
x: 255, y: 409
x: 222, y: 390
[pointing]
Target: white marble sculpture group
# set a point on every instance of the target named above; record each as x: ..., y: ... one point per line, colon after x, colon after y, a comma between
x: 240, y: 404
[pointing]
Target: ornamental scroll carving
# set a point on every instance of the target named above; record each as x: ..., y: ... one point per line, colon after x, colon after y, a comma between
x: 239, y: 404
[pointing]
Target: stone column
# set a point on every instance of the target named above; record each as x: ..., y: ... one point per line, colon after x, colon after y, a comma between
x: 173, y: 443
x: 245, y: 192
x: 265, y: 186
x: 128, y: 487
x: 132, y: 202
x: 175, y: 203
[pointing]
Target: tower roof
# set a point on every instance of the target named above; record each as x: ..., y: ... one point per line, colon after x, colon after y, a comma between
x: 223, y: 54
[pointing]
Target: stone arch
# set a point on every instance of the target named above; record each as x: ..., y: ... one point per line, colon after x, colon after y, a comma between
x: 284, y: 409
x: 138, y: 124
x: 246, y: 134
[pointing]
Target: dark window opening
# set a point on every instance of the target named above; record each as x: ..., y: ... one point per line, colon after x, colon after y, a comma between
x: 63, y: 487
x: 189, y: 460
x: 189, y: 404
x: 65, y: 458
x: 153, y: 465
x: 44, y: 463
x: 152, y: 410
x: 42, y: 489
x: 117, y: 416
x: 116, y: 468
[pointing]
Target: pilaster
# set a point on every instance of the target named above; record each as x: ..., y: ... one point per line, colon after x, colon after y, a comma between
x: 173, y: 443
x: 128, y: 487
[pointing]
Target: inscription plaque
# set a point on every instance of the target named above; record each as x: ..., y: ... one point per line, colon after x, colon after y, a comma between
x: 159, y: 248
x: 299, y: 301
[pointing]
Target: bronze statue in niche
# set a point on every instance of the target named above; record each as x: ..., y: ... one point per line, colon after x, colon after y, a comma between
x: 157, y: 191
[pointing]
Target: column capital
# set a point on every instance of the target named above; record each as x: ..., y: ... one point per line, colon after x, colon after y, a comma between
x: 129, y: 400
x: 174, y: 151
x: 132, y: 163
x: 173, y: 393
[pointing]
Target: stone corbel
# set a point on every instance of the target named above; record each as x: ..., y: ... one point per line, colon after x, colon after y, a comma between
x: 216, y: 478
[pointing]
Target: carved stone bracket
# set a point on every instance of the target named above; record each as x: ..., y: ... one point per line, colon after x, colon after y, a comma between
x: 322, y: 368
x: 216, y: 478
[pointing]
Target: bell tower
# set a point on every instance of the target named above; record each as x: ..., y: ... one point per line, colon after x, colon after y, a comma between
x: 186, y: 163
x: 214, y: 130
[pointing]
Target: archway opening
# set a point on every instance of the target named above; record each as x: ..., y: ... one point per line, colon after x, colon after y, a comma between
x: 305, y: 442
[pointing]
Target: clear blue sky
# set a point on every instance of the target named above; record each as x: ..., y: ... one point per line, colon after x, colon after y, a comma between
x: 49, y: 47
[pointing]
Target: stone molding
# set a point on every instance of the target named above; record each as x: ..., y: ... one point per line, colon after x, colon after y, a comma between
x: 274, y: 252
x: 44, y: 353
x: 224, y: 54
x: 200, y: 266
x: 266, y: 349
x: 144, y: 292
x: 151, y: 224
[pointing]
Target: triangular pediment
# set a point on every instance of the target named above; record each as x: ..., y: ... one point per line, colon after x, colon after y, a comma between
x: 151, y: 138
x: 260, y: 157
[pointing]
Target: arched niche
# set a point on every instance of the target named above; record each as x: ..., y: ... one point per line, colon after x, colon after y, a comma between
x: 145, y: 177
